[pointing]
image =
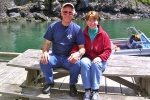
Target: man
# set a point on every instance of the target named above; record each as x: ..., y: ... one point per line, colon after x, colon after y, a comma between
x: 62, y: 35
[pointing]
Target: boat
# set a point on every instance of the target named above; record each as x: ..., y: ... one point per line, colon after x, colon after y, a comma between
x: 136, y: 44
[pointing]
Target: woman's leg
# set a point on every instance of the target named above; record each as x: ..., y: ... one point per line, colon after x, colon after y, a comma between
x: 85, y: 72
x: 96, y: 72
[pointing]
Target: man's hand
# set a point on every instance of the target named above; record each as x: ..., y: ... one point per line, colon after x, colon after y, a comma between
x: 97, y: 60
x: 74, y: 57
x: 44, y: 58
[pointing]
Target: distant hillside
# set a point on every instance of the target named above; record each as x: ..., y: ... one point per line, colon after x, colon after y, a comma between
x: 44, y: 9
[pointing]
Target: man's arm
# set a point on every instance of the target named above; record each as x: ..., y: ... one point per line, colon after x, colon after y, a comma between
x: 74, y: 57
x: 45, y: 49
x: 81, y: 50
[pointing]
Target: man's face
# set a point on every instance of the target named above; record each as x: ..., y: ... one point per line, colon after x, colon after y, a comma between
x: 67, y: 14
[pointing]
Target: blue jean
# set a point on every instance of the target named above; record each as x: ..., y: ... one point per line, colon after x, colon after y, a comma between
x: 60, y: 61
x: 91, y: 73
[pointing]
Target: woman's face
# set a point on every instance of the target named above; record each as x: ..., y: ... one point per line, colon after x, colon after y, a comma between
x: 92, y: 23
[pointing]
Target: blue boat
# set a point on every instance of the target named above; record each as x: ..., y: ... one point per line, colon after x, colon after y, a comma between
x: 137, y: 43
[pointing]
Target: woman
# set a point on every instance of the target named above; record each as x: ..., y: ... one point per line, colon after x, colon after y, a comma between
x: 94, y: 62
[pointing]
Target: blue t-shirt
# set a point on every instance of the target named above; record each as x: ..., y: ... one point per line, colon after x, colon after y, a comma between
x: 63, y: 38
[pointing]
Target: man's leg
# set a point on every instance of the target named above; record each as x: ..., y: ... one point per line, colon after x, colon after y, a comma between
x: 47, y: 70
x: 74, y: 70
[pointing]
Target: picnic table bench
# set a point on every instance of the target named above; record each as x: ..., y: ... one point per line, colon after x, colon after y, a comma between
x: 118, y: 66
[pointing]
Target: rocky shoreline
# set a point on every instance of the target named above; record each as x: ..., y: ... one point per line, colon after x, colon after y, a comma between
x: 42, y: 10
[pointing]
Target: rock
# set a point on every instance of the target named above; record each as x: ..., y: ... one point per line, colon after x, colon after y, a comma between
x: 13, y: 19
x: 4, y: 20
x: 54, y: 18
x: 56, y: 8
x: 13, y: 9
x: 3, y: 14
x: 44, y: 9
x: 42, y: 17
x: 13, y: 14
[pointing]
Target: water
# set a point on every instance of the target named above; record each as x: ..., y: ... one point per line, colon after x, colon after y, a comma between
x: 18, y: 37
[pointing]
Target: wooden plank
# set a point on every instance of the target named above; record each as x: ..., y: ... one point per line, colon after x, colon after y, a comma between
x: 65, y: 83
x: 10, y: 74
x: 21, y: 78
x: 128, y: 66
x: 30, y: 60
x: 4, y: 60
x: 9, y: 54
x: 125, y: 82
x: 41, y: 82
x: 34, y: 93
x: 59, y: 75
x: 112, y: 87
x: 127, y: 71
x: 31, y: 75
x: 128, y: 91
x: 129, y: 61
x: 118, y: 65
x: 7, y: 72
x: 102, y: 88
x: 79, y: 84
x: 120, y: 97
x: 66, y: 86
x: 7, y: 97
x: 58, y: 83
x: 144, y: 83
x: 3, y: 66
x: 13, y: 77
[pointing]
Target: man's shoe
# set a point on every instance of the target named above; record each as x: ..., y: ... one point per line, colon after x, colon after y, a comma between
x: 95, y: 95
x: 73, y: 90
x: 52, y: 84
x: 47, y: 88
x: 87, y: 95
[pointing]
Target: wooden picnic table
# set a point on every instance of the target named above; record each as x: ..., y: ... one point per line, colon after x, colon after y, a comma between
x: 118, y: 66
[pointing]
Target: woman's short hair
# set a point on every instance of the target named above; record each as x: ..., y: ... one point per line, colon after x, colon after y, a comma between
x: 92, y: 14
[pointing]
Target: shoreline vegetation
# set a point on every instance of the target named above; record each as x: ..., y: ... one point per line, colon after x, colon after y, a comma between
x: 49, y: 10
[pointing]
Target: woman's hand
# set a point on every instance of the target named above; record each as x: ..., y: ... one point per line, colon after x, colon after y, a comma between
x: 97, y: 60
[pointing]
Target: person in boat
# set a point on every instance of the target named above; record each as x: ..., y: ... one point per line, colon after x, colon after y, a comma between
x: 62, y: 35
x: 135, y: 37
x: 98, y: 50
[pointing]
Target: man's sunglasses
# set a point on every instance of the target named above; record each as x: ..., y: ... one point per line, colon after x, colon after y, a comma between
x: 67, y: 12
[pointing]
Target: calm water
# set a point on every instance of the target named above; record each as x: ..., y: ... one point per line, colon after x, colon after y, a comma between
x: 18, y: 37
